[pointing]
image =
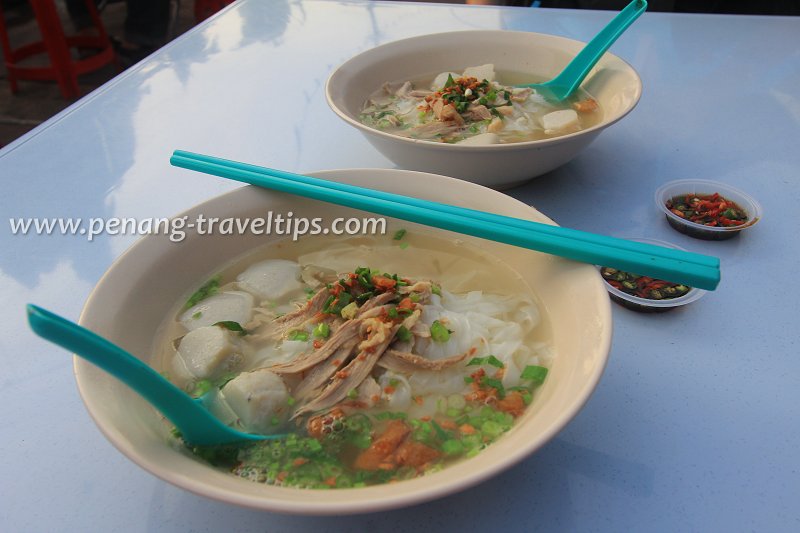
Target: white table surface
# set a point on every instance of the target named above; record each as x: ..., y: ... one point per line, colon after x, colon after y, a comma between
x: 696, y: 422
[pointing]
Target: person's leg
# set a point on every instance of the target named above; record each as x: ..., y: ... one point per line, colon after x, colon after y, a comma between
x: 79, y: 14
x: 147, y: 23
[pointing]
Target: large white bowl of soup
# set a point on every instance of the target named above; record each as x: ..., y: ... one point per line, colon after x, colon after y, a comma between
x: 401, y: 363
x: 446, y: 103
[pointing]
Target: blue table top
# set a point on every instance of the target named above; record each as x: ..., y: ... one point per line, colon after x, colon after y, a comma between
x: 696, y: 421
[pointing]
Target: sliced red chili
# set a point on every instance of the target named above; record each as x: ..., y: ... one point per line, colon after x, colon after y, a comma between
x: 709, y: 210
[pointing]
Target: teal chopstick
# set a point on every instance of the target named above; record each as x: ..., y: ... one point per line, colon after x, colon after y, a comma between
x: 693, y: 269
x: 527, y: 225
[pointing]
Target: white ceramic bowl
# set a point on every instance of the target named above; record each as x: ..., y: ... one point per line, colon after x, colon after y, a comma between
x: 137, y: 293
x: 613, y: 82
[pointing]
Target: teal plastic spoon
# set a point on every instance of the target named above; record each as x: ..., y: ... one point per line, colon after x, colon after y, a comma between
x: 573, y: 75
x: 196, y: 424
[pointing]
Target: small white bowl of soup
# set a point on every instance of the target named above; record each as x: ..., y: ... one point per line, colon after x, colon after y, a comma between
x: 488, y: 371
x: 487, y: 143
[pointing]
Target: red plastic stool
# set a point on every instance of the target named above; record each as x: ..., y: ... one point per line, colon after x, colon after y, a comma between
x: 62, y: 68
x: 205, y: 8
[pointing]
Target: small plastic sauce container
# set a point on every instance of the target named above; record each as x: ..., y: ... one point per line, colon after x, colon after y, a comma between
x: 650, y: 305
x: 678, y: 188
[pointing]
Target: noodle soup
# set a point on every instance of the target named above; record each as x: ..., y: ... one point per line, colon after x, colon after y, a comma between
x: 476, y: 109
x: 380, y: 359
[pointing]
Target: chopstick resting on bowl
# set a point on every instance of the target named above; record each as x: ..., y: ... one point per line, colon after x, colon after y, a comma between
x: 678, y: 266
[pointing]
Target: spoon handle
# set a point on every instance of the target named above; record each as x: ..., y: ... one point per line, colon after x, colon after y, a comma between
x: 197, y: 425
x: 574, y: 73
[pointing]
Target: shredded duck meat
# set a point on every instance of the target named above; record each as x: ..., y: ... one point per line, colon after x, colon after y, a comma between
x: 367, y: 311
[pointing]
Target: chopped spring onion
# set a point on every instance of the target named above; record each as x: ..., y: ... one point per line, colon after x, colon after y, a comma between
x: 364, y: 277
x: 399, y: 234
x: 439, y: 332
x: 403, y: 334
x: 232, y: 326
x: 342, y: 301
x: 534, y: 373
x: 209, y: 288
x: 201, y: 387
x: 491, y: 429
x: 388, y: 415
x: 488, y: 360
x: 494, y: 383
x: 440, y: 432
x: 322, y: 330
x: 527, y: 397
x: 298, y: 335
x: 364, y: 296
x: 452, y: 447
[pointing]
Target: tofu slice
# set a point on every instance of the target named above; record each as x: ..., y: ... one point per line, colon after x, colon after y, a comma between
x: 562, y: 121
x: 207, y: 353
x: 273, y: 279
x: 260, y: 399
x: 483, y: 72
x: 483, y: 139
x: 236, y: 306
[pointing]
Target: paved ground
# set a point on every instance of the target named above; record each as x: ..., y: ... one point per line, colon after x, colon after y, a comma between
x: 35, y: 102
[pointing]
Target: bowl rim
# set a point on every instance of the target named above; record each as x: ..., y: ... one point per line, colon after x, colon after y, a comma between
x: 755, y: 210
x: 693, y: 295
x: 361, y: 501
x: 479, y: 148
